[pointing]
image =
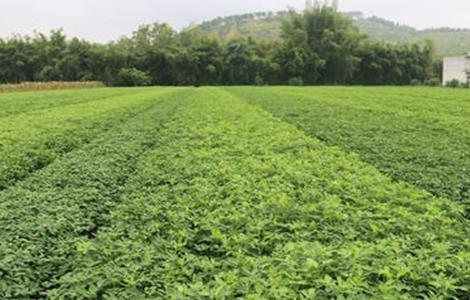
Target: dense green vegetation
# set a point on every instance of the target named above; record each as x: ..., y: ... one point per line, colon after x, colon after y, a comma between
x: 318, y: 46
x: 416, y: 135
x: 31, y: 138
x: 267, y: 26
x: 18, y: 103
x: 44, y: 217
x: 209, y: 193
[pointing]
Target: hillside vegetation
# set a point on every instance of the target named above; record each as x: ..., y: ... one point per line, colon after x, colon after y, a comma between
x: 319, y: 46
x: 267, y: 26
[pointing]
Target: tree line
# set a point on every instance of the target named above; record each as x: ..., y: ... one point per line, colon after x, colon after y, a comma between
x: 318, y: 46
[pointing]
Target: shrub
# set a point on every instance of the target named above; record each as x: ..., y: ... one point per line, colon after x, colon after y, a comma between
x: 132, y: 77
x: 48, y: 73
x: 416, y: 82
x: 296, y: 81
x: 433, y: 82
x: 259, y: 81
x: 454, y: 83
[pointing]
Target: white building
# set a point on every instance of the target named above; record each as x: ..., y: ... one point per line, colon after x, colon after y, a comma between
x: 457, y: 67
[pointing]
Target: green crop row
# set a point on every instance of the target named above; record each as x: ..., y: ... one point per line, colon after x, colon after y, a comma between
x: 30, y: 141
x: 417, y: 101
x: 18, y: 103
x: 44, y: 217
x: 420, y: 136
x: 234, y: 203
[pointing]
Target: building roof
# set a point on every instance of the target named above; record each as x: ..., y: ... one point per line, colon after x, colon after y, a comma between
x: 463, y: 54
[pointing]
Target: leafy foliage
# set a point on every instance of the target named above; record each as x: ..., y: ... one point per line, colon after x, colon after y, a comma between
x: 328, y: 41
x: 420, y: 136
x: 320, y: 46
x: 32, y: 140
x: 197, y: 194
x: 46, y: 216
x: 19, y: 103
x: 132, y: 77
x: 296, y: 81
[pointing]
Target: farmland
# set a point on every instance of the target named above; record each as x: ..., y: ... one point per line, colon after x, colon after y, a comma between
x: 222, y: 193
x: 48, y: 86
x: 420, y: 136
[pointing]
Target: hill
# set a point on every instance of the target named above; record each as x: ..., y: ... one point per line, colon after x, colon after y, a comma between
x: 267, y: 25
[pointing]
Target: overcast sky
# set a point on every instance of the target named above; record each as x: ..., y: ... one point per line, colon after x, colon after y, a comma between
x: 103, y: 20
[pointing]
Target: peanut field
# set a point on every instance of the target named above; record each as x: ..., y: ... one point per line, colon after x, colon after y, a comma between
x: 235, y: 193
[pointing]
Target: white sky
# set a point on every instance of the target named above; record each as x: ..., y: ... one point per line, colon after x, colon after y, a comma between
x: 104, y: 20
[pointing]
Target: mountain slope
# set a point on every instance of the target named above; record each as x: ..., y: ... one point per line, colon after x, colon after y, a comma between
x: 267, y: 25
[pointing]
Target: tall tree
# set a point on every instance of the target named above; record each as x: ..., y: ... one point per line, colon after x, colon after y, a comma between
x: 328, y: 37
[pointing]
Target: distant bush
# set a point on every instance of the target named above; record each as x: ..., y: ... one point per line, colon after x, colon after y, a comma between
x: 48, y: 73
x: 416, y: 82
x: 259, y: 81
x: 296, y: 81
x: 132, y: 77
x: 51, y: 85
x: 433, y: 82
x: 465, y: 85
x: 454, y: 83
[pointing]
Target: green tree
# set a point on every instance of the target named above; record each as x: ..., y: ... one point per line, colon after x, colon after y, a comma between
x: 324, y: 43
x: 133, y: 77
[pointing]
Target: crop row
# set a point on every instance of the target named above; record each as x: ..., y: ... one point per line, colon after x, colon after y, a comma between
x: 423, y: 140
x: 234, y: 203
x: 419, y: 102
x: 18, y: 103
x: 44, y: 217
x: 30, y: 141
